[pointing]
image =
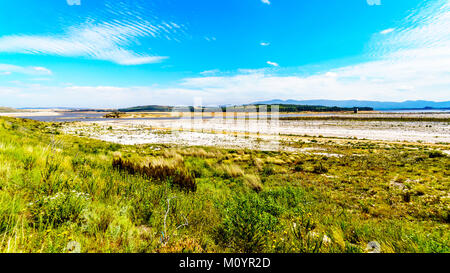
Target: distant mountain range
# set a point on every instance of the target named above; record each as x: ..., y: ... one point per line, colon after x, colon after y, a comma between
x: 242, y: 108
x: 377, y: 105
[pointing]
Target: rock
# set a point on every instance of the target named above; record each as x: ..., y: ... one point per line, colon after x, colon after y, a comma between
x: 373, y: 247
x: 73, y: 247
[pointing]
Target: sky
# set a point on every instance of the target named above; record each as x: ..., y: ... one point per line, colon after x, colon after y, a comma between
x: 111, y: 53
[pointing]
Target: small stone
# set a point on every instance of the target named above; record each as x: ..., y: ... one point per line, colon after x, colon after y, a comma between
x: 373, y: 247
x: 73, y: 247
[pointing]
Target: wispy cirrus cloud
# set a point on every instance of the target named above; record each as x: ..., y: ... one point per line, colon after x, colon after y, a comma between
x: 108, y: 41
x: 272, y: 63
x: 210, y: 72
x: 266, y: 2
x: 7, y: 69
x: 386, y: 31
x: 210, y: 39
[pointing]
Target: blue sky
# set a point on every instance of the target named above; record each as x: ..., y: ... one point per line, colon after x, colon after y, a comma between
x: 137, y: 52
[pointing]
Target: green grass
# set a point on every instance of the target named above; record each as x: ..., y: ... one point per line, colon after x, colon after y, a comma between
x: 56, y: 188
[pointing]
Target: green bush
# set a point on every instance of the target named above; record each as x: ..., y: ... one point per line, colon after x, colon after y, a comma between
x: 288, y: 197
x: 142, y: 209
x: 299, y: 167
x: 246, y: 222
x: 98, y: 218
x: 319, y: 169
x: 307, y: 240
x: 268, y: 170
x: 59, y: 208
x: 436, y: 154
x: 198, y: 167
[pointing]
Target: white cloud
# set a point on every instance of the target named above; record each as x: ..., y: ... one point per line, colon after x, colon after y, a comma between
x: 272, y: 63
x: 386, y: 31
x: 264, y: 44
x: 210, y: 72
x: 266, y: 2
x: 93, y: 96
x: 7, y: 69
x: 106, y: 41
x: 42, y: 70
x: 210, y: 39
x: 331, y: 74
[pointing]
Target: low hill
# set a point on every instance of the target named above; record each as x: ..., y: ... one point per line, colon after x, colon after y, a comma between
x: 7, y: 110
x: 148, y: 108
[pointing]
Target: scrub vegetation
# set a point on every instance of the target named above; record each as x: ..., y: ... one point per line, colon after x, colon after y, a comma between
x: 58, y: 191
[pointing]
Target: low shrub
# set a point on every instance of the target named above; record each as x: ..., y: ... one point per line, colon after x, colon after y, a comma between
x: 253, y: 182
x: 436, y: 154
x: 319, y: 169
x: 299, y: 167
x: 230, y: 171
x: 59, y: 208
x: 268, y: 170
x: 245, y: 224
x: 198, y: 166
x: 98, y: 218
x: 142, y: 209
x: 178, y: 173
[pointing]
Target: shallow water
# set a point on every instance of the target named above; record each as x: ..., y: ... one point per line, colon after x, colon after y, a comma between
x: 68, y: 116
x: 77, y: 116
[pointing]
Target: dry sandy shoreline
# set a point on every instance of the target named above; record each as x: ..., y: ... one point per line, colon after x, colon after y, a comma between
x: 253, y: 134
